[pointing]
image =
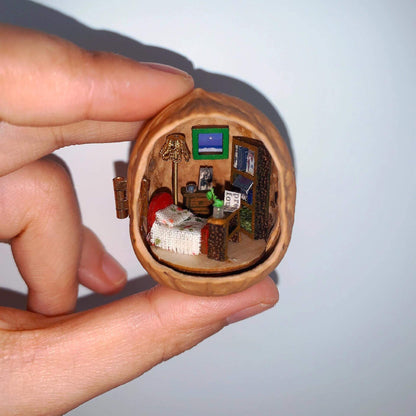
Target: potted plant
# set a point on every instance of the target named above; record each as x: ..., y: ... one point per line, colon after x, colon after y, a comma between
x: 218, y: 204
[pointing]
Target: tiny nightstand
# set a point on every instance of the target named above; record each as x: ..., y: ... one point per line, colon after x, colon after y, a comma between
x: 197, y: 202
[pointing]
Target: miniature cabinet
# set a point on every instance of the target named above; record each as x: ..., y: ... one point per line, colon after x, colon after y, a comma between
x: 250, y: 174
x: 197, y: 202
x: 222, y: 230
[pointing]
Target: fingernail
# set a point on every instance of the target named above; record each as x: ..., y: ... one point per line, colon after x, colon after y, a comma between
x: 248, y: 312
x: 166, y: 68
x: 113, y: 270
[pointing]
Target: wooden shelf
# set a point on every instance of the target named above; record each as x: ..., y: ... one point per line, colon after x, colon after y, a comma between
x: 253, y: 216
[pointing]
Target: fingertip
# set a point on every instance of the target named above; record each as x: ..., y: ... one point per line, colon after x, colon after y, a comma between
x: 113, y: 271
x: 170, y: 70
x: 263, y: 296
x: 126, y: 90
x: 269, y: 290
x: 103, y: 276
x: 197, y: 311
x: 98, y: 270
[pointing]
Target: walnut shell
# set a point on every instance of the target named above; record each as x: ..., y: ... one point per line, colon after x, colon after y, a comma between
x: 147, y: 172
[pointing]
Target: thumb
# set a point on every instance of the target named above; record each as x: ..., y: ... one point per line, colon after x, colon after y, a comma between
x: 89, y: 353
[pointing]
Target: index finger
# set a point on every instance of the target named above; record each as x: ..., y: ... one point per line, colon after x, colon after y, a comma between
x: 45, y: 80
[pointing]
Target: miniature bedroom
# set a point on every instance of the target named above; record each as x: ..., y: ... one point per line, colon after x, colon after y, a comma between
x: 209, y: 201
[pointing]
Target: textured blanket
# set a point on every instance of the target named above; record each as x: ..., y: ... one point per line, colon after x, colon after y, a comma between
x: 184, y: 237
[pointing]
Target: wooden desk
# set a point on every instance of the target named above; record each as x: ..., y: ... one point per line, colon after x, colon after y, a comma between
x: 221, y: 230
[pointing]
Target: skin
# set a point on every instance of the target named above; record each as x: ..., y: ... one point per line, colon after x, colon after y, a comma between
x: 53, y: 94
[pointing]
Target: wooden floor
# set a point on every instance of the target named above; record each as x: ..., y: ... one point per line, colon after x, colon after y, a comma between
x: 240, y: 256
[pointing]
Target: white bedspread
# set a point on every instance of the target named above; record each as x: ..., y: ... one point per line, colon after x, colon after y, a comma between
x: 184, y: 238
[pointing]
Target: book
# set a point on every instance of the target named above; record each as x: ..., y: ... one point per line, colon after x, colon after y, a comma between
x: 244, y: 184
x: 242, y: 158
x: 250, y: 162
x: 236, y: 150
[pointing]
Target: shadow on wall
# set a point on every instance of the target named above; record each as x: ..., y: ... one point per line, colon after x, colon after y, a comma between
x: 34, y: 16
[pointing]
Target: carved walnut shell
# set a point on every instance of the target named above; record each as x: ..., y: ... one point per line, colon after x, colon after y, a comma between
x: 147, y: 172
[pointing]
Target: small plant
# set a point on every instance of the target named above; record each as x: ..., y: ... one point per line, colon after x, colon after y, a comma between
x: 215, y: 201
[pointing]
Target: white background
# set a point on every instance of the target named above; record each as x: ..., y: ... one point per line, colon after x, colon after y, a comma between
x: 341, y: 76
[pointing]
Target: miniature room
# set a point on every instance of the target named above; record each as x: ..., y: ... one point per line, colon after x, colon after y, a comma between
x: 209, y: 198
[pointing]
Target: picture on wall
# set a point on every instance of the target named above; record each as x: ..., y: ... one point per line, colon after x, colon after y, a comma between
x: 205, y: 178
x: 210, y: 142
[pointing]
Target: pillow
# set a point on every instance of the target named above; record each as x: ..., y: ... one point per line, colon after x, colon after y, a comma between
x: 172, y: 215
x: 159, y: 201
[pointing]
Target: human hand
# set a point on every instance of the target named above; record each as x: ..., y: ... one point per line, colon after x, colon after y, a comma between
x: 53, y: 94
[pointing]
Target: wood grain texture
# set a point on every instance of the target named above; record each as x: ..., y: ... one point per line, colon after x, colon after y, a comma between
x: 203, y: 108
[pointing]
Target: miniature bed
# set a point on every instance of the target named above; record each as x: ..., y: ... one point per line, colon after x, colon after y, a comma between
x: 183, y: 240
x: 177, y: 230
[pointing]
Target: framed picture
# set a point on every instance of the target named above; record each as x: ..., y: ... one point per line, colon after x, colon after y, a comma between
x: 210, y: 142
x: 205, y: 178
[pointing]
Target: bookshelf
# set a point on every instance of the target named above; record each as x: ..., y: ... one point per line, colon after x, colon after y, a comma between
x: 250, y: 175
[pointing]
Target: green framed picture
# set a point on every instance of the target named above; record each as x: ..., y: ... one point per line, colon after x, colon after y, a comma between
x: 210, y: 142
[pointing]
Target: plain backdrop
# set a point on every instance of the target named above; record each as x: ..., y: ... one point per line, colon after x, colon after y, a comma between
x: 338, y: 78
